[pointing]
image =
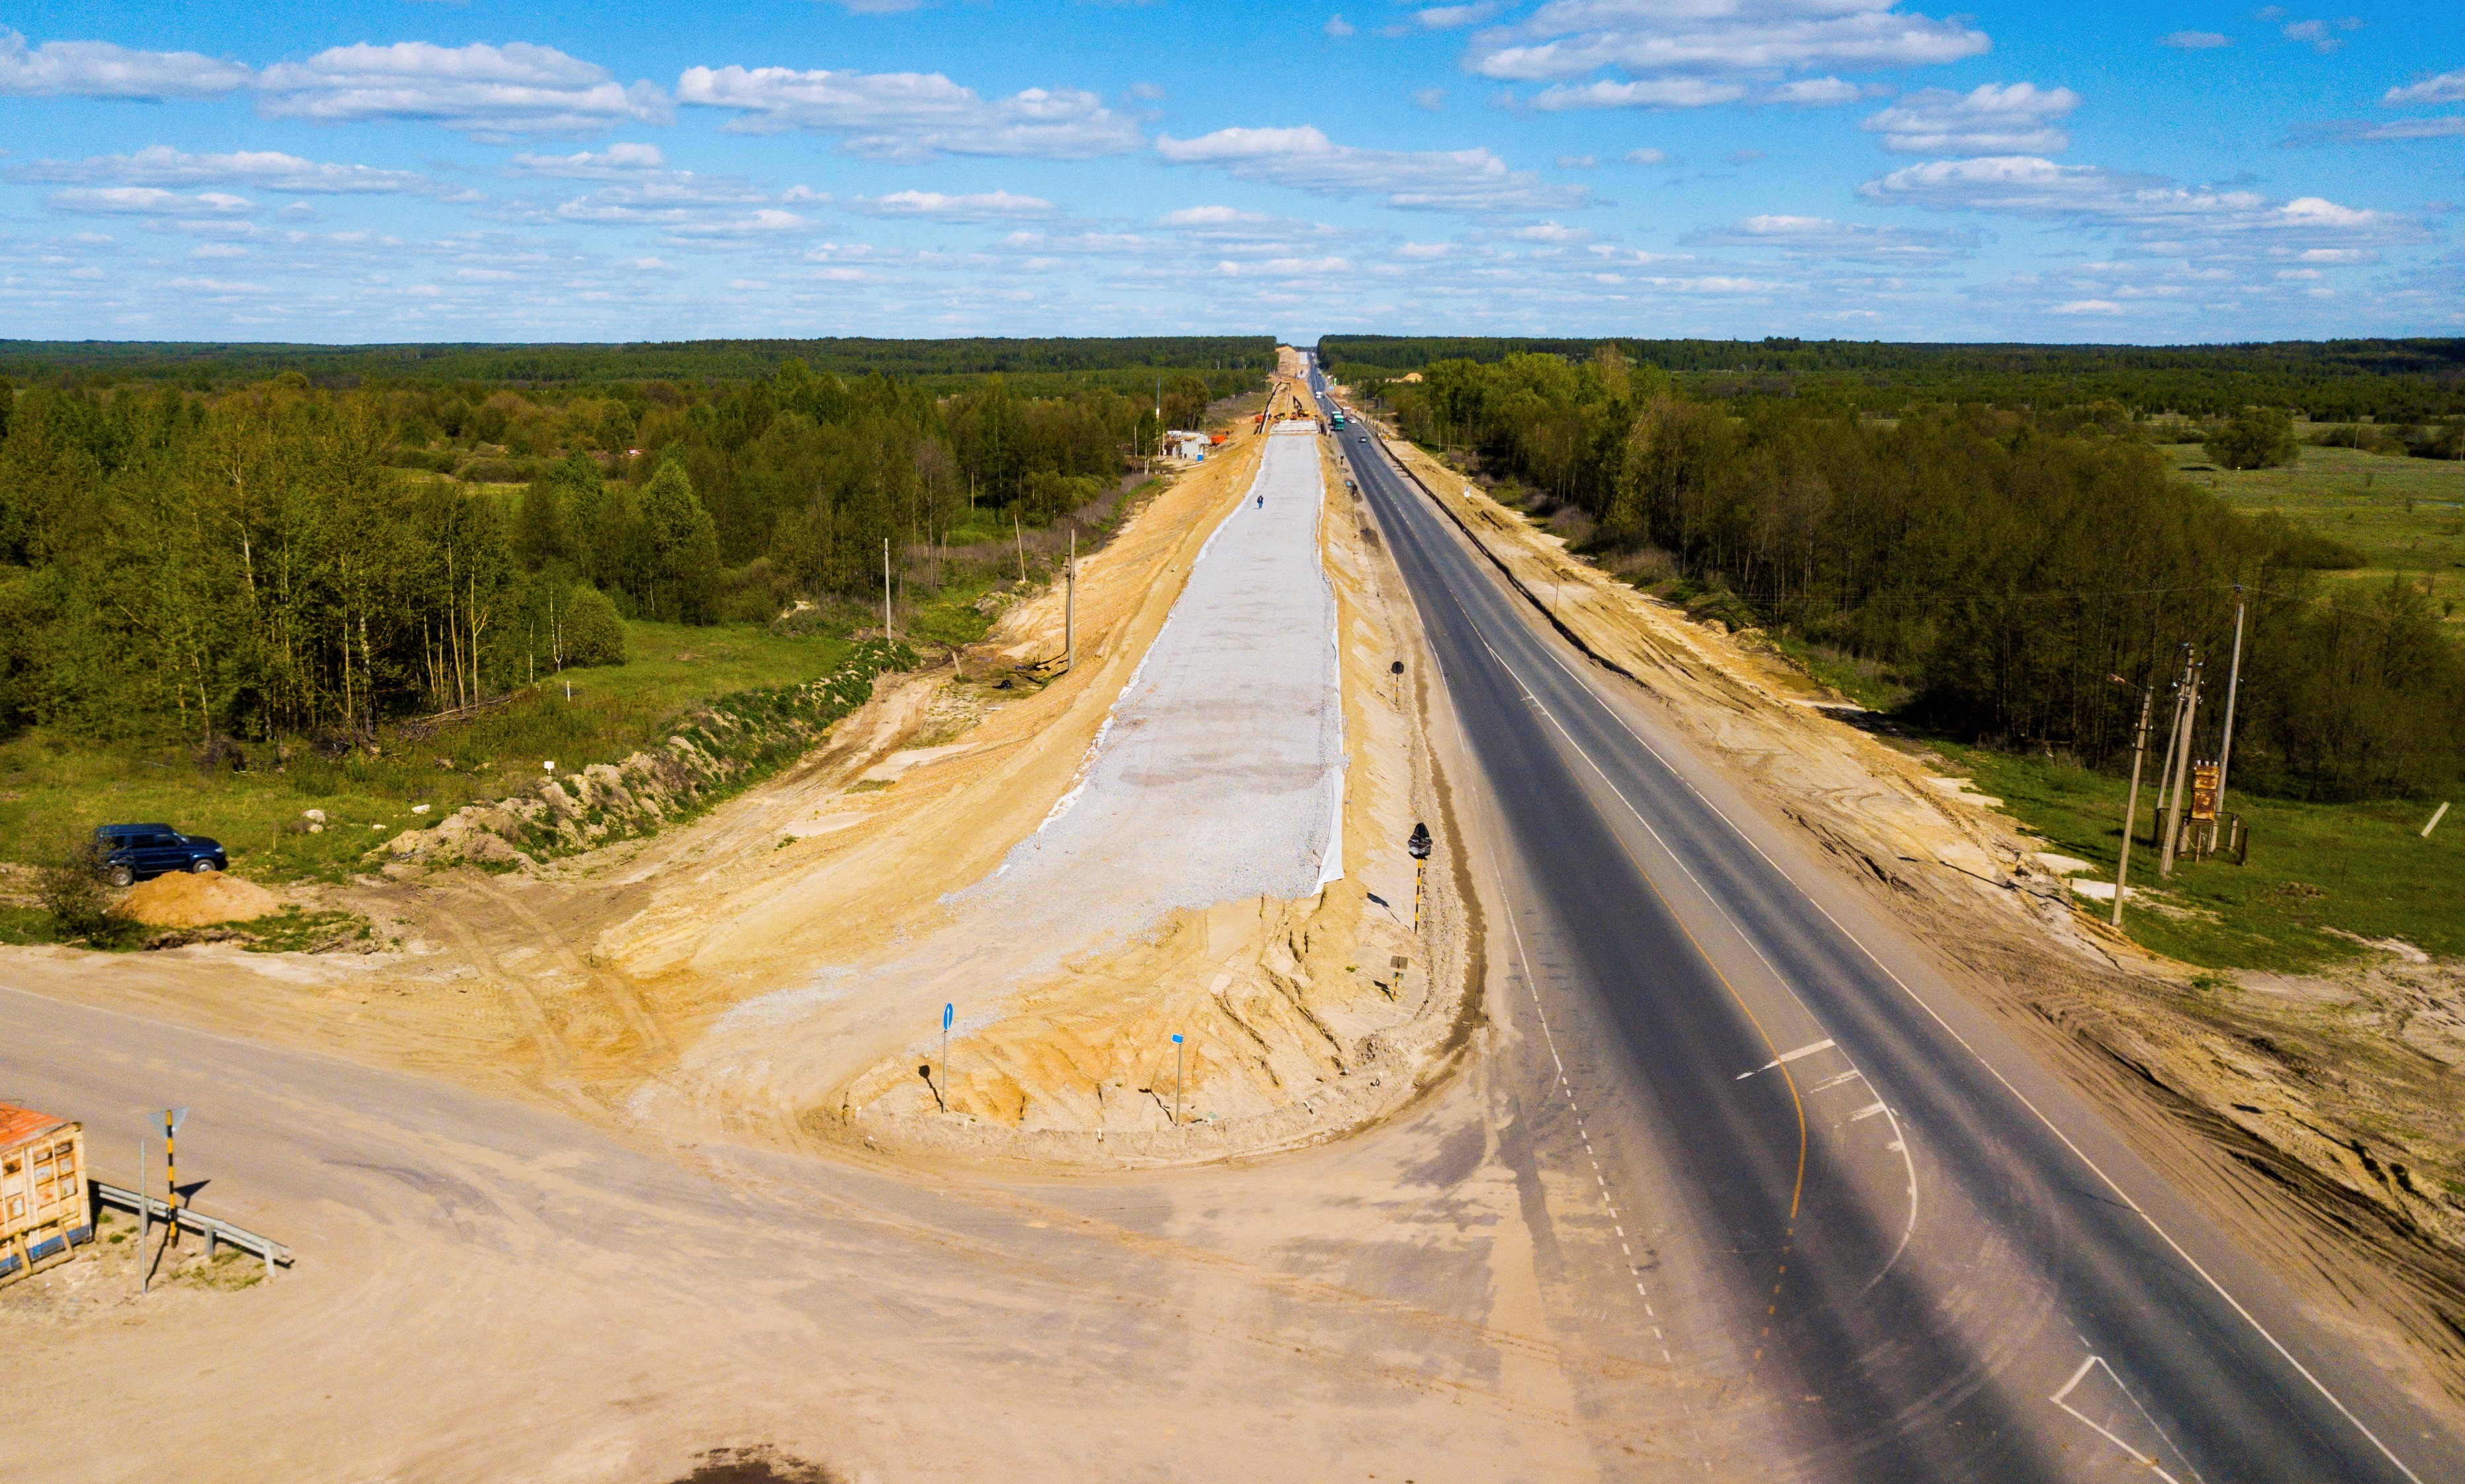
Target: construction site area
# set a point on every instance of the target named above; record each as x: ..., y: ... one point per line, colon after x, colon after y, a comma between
x: 1121, y: 1048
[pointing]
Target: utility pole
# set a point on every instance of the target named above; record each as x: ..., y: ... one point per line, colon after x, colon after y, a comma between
x: 2173, y: 735
x: 2131, y: 802
x: 1020, y: 537
x: 2233, y: 683
x: 1070, y: 609
x: 2182, y: 778
x: 887, y: 631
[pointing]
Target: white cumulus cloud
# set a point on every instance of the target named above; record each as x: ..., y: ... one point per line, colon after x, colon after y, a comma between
x: 1815, y: 93
x: 147, y: 201
x: 161, y: 165
x: 488, y: 91
x: 2195, y: 40
x: 990, y: 205
x: 910, y: 117
x: 1304, y: 159
x: 2449, y: 87
x: 1652, y: 93
x: 98, y: 69
x: 1819, y: 238
x: 1571, y: 38
x: 2151, y: 207
x: 2015, y: 119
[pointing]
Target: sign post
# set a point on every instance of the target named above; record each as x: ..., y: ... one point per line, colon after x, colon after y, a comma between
x: 1176, y: 1079
x: 948, y: 1011
x: 145, y: 1216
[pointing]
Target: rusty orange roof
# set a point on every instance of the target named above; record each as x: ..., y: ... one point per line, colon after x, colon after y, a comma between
x: 23, y: 1125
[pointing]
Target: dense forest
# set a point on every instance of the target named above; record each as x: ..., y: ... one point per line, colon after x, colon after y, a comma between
x: 2391, y: 381
x: 1226, y: 363
x: 2010, y: 563
x: 281, y: 558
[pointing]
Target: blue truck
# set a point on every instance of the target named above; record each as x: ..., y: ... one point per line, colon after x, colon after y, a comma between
x: 128, y: 853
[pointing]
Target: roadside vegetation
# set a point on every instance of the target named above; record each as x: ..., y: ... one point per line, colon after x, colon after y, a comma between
x: 1984, y: 574
x: 302, y: 620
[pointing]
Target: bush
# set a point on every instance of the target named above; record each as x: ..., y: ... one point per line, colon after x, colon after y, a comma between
x: 2260, y: 437
x: 593, y: 633
x: 68, y: 882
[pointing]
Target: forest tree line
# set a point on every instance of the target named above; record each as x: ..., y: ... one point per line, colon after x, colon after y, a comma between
x: 2387, y: 381
x: 2011, y: 564
x: 1044, y: 367
x: 288, y: 559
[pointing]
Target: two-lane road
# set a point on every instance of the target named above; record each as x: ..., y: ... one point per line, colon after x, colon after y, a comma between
x: 1835, y: 1185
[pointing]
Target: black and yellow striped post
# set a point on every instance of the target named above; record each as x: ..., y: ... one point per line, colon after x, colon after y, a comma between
x: 1419, y: 846
x: 173, y: 1119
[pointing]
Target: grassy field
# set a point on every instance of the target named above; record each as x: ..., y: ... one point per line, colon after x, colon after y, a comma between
x: 2321, y: 875
x: 2406, y: 516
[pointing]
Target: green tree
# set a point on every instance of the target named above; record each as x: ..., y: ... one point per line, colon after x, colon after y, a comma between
x: 592, y: 632
x: 679, y: 573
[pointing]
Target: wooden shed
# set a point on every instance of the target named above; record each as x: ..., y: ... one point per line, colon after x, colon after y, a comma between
x: 44, y: 1205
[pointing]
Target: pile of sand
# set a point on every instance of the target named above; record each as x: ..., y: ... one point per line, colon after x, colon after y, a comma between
x: 187, y: 900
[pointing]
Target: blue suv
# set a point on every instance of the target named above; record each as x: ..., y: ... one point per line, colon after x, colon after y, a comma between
x: 131, y: 852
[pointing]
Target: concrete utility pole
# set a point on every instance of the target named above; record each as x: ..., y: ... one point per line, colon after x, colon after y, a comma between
x: 2233, y: 683
x: 2173, y: 735
x: 2182, y: 778
x: 2131, y: 802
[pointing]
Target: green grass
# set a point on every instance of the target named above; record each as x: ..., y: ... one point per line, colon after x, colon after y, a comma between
x: 2406, y: 516
x: 2317, y: 870
x: 48, y: 781
x: 27, y: 925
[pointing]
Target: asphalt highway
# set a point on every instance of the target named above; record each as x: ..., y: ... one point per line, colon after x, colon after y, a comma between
x: 1911, y: 1252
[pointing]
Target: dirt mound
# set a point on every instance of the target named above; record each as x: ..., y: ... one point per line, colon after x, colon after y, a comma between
x: 185, y: 900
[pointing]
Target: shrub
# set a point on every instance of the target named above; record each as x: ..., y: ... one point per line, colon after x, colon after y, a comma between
x: 2260, y: 437
x: 593, y: 633
x: 68, y: 882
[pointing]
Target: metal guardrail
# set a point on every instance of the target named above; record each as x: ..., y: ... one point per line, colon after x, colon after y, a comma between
x: 213, y: 1229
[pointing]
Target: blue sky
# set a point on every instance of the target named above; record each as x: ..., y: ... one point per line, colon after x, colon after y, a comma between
x: 1848, y: 168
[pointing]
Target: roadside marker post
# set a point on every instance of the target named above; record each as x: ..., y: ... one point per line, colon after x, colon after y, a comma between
x: 2436, y: 815
x: 144, y: 1214
x: 1176, y: 1079
x: 173, y: 1119
x: 948, y: 1011
x: 1419, y: 847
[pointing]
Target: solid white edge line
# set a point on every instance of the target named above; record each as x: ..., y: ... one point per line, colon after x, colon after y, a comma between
x: 2110, y: 1183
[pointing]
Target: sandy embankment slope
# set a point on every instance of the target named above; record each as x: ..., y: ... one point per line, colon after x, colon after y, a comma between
x: 1183, y: 887
x: 2290, y: 1149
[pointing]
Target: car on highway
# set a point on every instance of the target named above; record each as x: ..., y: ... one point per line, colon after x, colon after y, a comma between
x: 129, y: 853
